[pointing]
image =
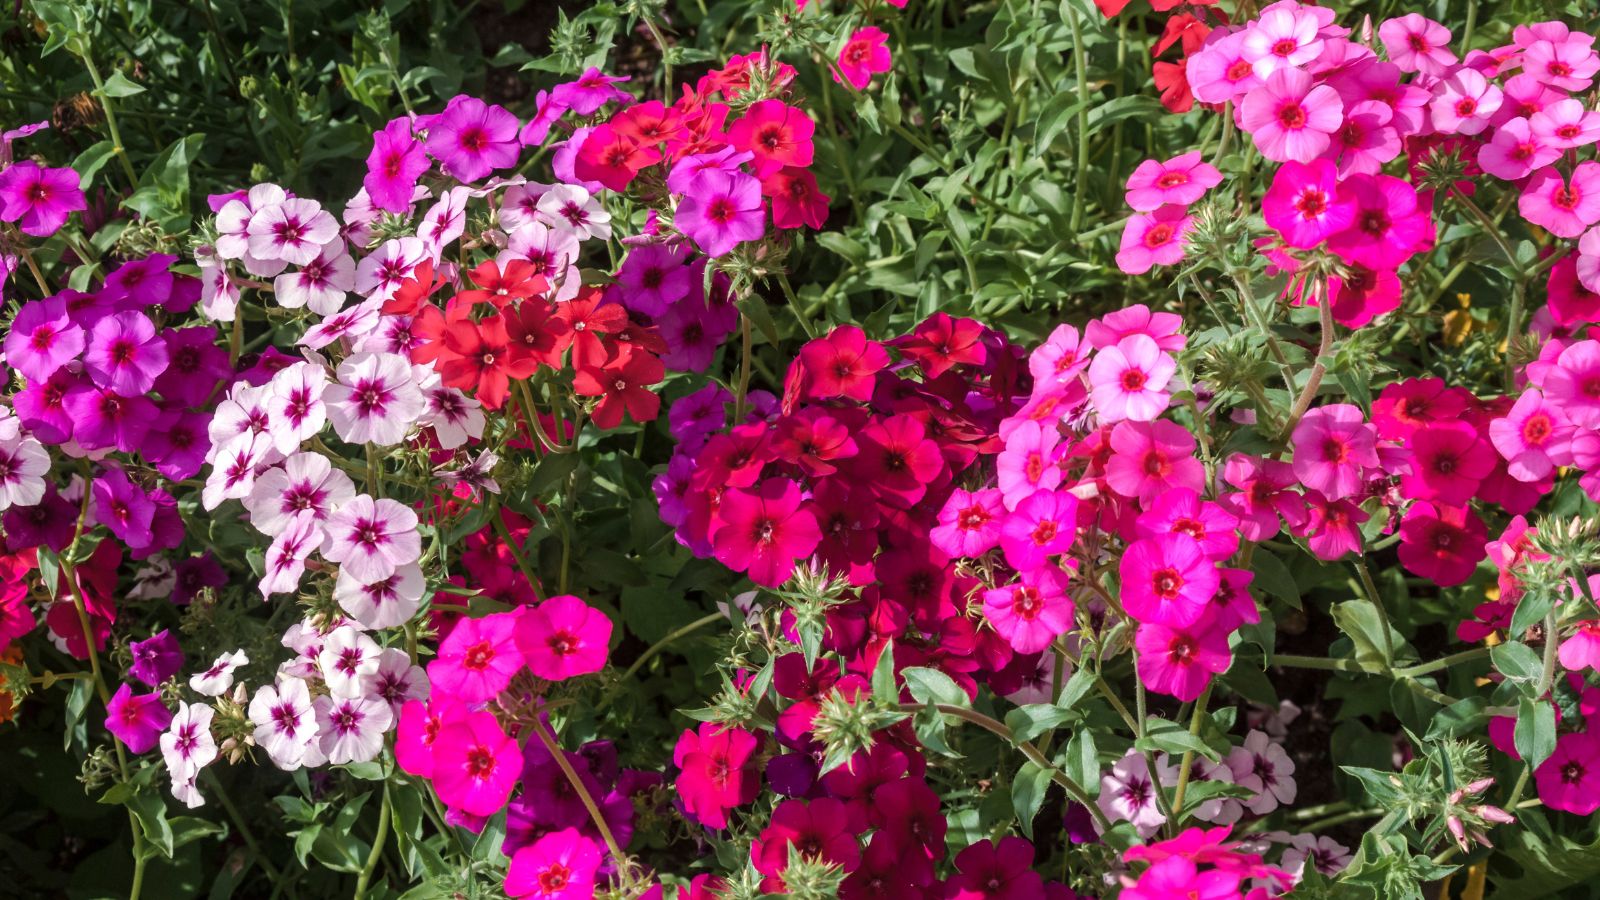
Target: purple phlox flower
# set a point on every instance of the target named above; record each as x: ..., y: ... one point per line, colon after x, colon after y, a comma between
x: 156, y: 658
x: 125, y: 353
x: 39, y: 199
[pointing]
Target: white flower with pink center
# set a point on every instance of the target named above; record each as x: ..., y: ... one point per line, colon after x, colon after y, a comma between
x: 286, y: 722
x: 1128, y: 792
x: 187, y: 746
x: 233, y: 473
x: 306, y: 486
x: 347, y: 656
x: 294, y: 403
x: 519, y: 205
x: 215, y: 681
x: 444, y: 222
x: 382, y: 272
x: 1263, y: 767
x: 384, y: 603
x: 242, y: 414
x: 570, y: 208
x: 233, y: 220
x: 351, y: 729
x: 321, y: 285
x: 286, y: 559
x: 552, y: 251
x: 293, y: 231
x: 23, y: 464
x: 354, y: 323
x: 375, y: 400
x: 371, y: 539
x: 453, y: 416
x: 396, y: 680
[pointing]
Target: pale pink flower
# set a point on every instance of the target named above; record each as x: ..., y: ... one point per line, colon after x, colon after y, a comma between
x: 187, y: 747
x: 570, y: 208
x: 385, y: 603
x: 1563, y: 208
x: 1417, y: 44
x: 381, y: 272
x: 215, y: 681
x: 1128, y: 793
x: 293, y: 231
x: 1181, y: 180
x: 286, y: 559
x: 372, y: 538
x: 306, y: 486
x: 1566, y: 124
x: 285, y: 721
x: 1264, y: 767
x: 1283, y: 36
x: 321, y: 284
x: 294, y: 405
x: 351, y: 729
x: 1291, y: 117
x: 1464, y: 102
x: 375, y: 400
x: 346, y: 657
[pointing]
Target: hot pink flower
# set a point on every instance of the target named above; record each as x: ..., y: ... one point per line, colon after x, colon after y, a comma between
x: 1030, y: 615
x: 1150, y: 458
x: 1183, y: 511
x: 723, y: 211
x: 1167, y: 580
x: 1464, y: 102
x: 717, y: 772
x: 1389, y: 225
x: 1178, y: 876
x: 475, y: 765
x: 396, y: 162
x: 472, y: 138
x: 38, y: 199
x: 1281, y: 37
x: 1263, y: 496
x: 1442, y: 543
x: 1129, y: 380
x: 1030, y: 462
x: 559, y: 866
x: 1291, y: 117
x: 1180, y: 662
x: 477, y: 659
x: 1179, y: 181
x: 563, y: 637
x: 969, y: 523
x: 125, y: 354
x: 842, y: 364
x: 1417, y: 44
x: 1569, y: 64
x: 1534, y: 437
x: 1153, y: 239
x: 1448, y: 462
x: 1305, y: 203
x: 137, y: 721
x: 1565, y: 124
x: 765, y: 531
x: 778, y: 134
x: 1332, y: 528
x: 863, y: 55
x: 1581, y: 649
x: 1573, y: 383
x: 1514, y: 151
x: 1569, y: 780
x: 1042, y: 526
x: 1332, y: 444
x: 1564, y: 208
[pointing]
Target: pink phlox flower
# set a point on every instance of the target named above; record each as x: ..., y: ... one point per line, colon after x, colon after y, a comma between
x: 1129, y: 380
x: 1416, y: 43
x: 1181, y: 181
x: 1154, y: 239
x: 563, y: 637
x: 1291, y: 117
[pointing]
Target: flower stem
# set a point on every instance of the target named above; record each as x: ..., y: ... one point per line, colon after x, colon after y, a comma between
x: 1188, y: 755
x: 589, y: 804
x: 377, y: 846
x: 111, y: 120
x: 1082, y: 68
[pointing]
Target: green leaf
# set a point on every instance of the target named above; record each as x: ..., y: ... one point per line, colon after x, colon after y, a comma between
x: 1533, y: 607
x: 118, y: 85
x: 934, y: 686
x: 1075, y: 689
x: 1535, y: 736
x: 151, y: 811
x: 1080, y: 762
x: 191, y: 828
x: 1518, y: 662
x: 754, y: 308
x: 1274, y: 577
x: 1459, y: 719
x: 78, y: 695
x: 1028, y: 791
x: 1028, y: 722
x: 1169, y: 737
x: 1359, y: 620
x: 91, y: 161
x: 883, y: 685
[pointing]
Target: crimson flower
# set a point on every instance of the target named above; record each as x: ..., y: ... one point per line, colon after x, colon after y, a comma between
x: 764, y: 531
x: 589, y: 317
x: 499, y: 286
x: 843, y: 364
x: 624, y: 384
x: 941, y: 342
x: 478, y: 356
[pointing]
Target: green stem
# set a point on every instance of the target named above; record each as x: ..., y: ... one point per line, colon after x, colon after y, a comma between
x: 111, y: 119
x: 377, y: 846
x: 239, y: 824
x: 794, y: 305
x: 560, y: 756
x: 658, y: 646
x: 1188, y: 755
x: 1081, y: 178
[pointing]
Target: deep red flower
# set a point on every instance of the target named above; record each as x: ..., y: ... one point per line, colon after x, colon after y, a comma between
x: 413, y: 291
x: 765, y: 531
x: 843, y: 364
x: 1172, y: 80
x: 499, y: 286
x: 624, y: 383
x: 589, y: 317
x: 897, y: 460
x: 941, y: 342
x: 812, y: 440
x: 820, y: 830
x: 477, y: 356
x: 613, y: 158
x: 537, y: 333
x: 795, y: 198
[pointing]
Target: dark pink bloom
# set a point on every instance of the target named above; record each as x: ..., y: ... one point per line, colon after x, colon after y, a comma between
x: 821, y: 830
x: 843, y: 364
x: 1442, y: 543
x: 1167, y: 580
x: 717, y: 772
x: 1000, y: 870
x: 472, y: 138
x: 864, y: 54
x: 765, y: 531
x: 1570, y: 779
x: 156, y: 658
x: 137, y: 720
x: 125, y: 354
x: 396, y: 162
x: 563, y: 637
x: 475, y: 765
x: 1448, y: 462
x: 38, y: 199
x: 559, y: 866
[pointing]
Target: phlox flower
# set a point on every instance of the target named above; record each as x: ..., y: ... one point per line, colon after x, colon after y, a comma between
x: 574, y: 210
x: 1001, y: 869
x: 686, y: 172
x: 563, y: 637
x: 1417, y: 44
x: 1322, y: 853
x: 187, y: 745
x: 125, y: 354
x: 101, y: 418
x: 23, y: 465
x: 353, y: 324
x: 385, y: 603
x: 819, y: 830
x: 123, y: 507
x: 1368, y: 138
x: 1565, y: 124
x: 1565, y: 208
x: 444, y: 222
x: 764, y: 531
x: 215, y: 681
x: 1162, y: 327
x: 1128, y: 794
x: 351, y: 729
x: 1153, y: 239
x: 292, y: 231
x: 380, y: 273
x: 1167, y: 580
x: 1305, y: 204
x: 653, y: 277
x: 372, y: 538
x: 1514, y: 151
x: 42, y: 338
x: 1569, y: 64
x: 454, y: 417
x: 1390, y: 225
x: 1129, y: 380
x: 778, y: 134
x: 396, y: 680
x: 1569, y: 779
x: 294, y: 405
x: 1042, y: 526
x: 345, y: 658
x: 1533, y: 437
x: 137, y: 721
x: 475, y: 765
x: 1180, y: 662
x: 195, y: 366
x: 969, y: 523
x: 1581, y: 649
x: 844, y: 363
x: 559, y: 866
x: 1030, y: 462
x: 1464, y: 102
x: 1150, y: 458
x: 419, y: 727
x: 1263, y: 495
x: 39, y: 199
x: 1182, y: 510
x: 1332, y: 528
x: 1448, y: 462
x: 1058, y: 361
x: 863, y: 54
x: 233, y: 220
x: 1030, y: 613
x: 375, y: 399
x: 1282, y: 36
x: 1332, y: 444
x: 795, y: 199
x: 1263, y: 767
x: 623, y: 386
x: 156, y: 658
x: 724, y: 211
x: 716, y: 771
x: 1219, y: 71
x: 471, y: 138
x: 285, y: 559
x: 477, y: 658
x: 320, y: 285
x: 396, y: 162
x: 1442, y: 543
x: 590, y: 91
x: 1290, y: 117
x: 1181, y: 181
x: 285, y: 721
x: 1178, y: 876
x: 1573, y: 383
